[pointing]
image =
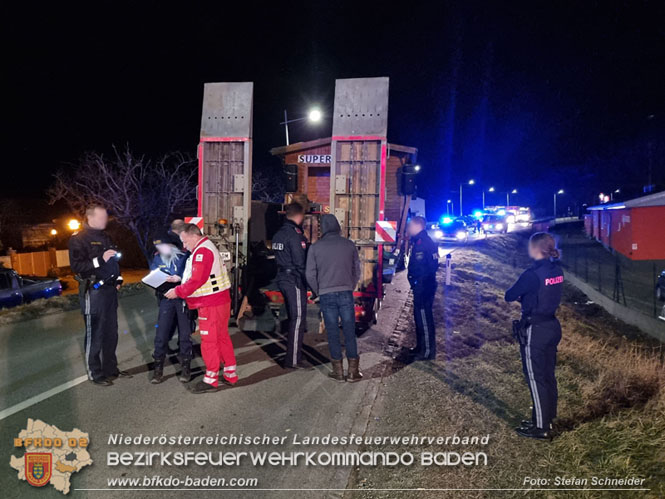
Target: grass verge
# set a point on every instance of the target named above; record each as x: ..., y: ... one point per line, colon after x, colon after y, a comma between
x: 611, y: 393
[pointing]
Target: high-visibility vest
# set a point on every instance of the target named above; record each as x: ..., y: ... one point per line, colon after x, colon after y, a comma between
x: 218, y: 280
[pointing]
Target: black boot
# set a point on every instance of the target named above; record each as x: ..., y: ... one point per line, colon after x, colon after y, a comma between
x: 534, y: 432
x: 202, y: 387
x: 186, y: 371
x: 158, y: 374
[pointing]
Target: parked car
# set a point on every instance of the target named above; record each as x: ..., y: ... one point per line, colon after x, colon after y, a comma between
x: 660, y: 286
x: 16, y: 290
x: 494, y: 224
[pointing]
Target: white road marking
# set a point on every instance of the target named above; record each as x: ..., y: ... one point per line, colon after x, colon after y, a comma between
x: 5, y: 413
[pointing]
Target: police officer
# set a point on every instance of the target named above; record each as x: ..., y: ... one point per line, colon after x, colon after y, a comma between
x: 171, y: 260
x: 94, y: 261
x: 423, y: 264
x: 538, y: 290
x: 290, y: 246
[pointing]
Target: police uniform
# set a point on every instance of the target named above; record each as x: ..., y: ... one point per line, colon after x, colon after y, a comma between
x: 172, y: 312
x: 423, y: 264
x: 99, y: 300
x: 205, y: 287
x: 290, y: 247
x: 539, y: 291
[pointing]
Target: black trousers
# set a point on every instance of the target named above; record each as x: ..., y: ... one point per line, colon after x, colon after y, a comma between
x: 100, y: 312
x: 172, y: 313
x: 295, y: 298
x: 538, y: 363
x: 423, y: 299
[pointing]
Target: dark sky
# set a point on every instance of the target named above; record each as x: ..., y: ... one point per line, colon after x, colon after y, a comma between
x: 517, y: 95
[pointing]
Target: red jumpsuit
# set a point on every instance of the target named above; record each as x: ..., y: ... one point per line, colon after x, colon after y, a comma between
x: 214, y: 313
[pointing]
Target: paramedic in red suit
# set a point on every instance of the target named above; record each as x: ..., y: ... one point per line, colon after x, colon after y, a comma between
x: 205, y: 286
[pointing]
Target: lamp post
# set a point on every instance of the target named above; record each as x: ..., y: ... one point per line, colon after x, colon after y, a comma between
x: 491, y: 189
x: 514, y: 191
x: 470, y: 182
x: 450, y: 207
x: 314, y: 116
x: 560, y: 191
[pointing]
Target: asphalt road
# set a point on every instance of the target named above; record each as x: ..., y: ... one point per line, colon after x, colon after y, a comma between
x: 41, y: 355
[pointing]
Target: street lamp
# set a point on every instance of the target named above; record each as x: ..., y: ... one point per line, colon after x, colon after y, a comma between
x: 74, y: 224
x: 491, y: 189
x: 54, y: 232
x: 470, y: 182
x: 450, y: 206
x: 514, y: 191
x: 560, y: 191
x: 313, y: 116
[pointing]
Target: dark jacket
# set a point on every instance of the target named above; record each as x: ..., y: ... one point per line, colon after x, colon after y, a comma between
x: 177, y: 267
x: 86, y: 250
x: 538, y: 290
x: 290, y: 247
x: 423, y: 262
x: 332, y: 262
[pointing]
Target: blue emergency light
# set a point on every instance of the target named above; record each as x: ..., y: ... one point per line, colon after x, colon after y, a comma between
x: 446, y: 220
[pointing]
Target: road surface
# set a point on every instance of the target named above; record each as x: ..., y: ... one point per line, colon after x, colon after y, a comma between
x: 44, y: 378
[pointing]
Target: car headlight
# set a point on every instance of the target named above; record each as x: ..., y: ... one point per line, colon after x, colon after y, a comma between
x: 486, y: 226
x: 438, y: 234
x: 461, y: 235
x: 499, y: 226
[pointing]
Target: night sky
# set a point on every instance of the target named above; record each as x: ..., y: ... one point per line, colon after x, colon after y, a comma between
x: 530, y: 96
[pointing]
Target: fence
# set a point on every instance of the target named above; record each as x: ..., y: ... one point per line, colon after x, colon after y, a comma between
x: 37, y: 263
x: 627, y: 282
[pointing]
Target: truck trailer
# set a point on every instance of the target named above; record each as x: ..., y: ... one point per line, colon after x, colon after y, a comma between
x: 355, y: 174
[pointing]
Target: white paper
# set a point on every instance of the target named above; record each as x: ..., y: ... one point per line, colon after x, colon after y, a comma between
x: 155, y: 278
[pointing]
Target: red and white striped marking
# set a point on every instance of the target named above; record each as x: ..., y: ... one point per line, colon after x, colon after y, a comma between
x: 198, y: 221
x: 386, y: 231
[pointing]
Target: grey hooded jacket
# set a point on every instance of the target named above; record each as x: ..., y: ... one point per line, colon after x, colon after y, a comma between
x: 332, y: 261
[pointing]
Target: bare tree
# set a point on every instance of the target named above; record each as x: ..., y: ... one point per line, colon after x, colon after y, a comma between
x: 266, y: 187
x: 140, y: 193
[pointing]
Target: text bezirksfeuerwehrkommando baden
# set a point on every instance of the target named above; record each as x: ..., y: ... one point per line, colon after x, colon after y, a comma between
x: 318, y: 457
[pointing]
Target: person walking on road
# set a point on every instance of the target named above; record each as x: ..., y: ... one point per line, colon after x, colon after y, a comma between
x: 538, y: 290
x: 290, y: 247
x: 171, y: 260
x: 423, y: 264
x: 333, y: 270
x: 94, y: 261
x: 205, y: 287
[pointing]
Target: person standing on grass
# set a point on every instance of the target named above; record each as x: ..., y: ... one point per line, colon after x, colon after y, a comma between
x: 538, y: 290
x: 423, y: 264
x: 333, y: 270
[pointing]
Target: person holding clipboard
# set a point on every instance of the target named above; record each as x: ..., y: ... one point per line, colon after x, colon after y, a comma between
x: 170, y: 260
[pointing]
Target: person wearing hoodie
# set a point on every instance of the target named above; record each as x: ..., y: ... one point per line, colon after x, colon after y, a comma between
x: 332, y: 271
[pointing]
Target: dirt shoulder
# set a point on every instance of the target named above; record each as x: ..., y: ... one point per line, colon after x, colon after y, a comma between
x: 611, y: 394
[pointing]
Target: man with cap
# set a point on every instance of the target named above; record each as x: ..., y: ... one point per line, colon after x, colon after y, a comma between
x: 171, y: 260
